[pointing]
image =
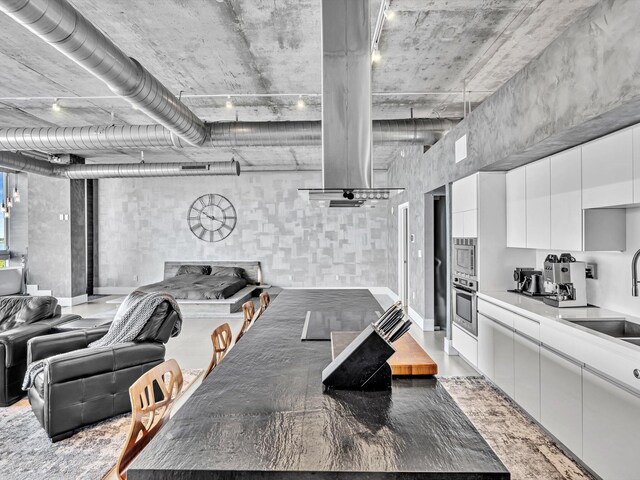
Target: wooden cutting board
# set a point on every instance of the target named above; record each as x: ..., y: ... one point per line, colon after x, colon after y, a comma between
x: 409, y: 360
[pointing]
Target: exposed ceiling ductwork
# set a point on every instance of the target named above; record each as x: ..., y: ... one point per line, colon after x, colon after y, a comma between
x: 62, y: 26
x: 422, y: 131
x: 21, y: 163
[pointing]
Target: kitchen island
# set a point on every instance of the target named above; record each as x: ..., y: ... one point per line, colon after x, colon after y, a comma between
x: 262, y: 414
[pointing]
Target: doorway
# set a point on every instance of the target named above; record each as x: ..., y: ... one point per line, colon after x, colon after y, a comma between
x: 403, y: 254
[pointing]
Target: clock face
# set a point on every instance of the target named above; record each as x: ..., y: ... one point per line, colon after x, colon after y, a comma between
x: 212, y: 217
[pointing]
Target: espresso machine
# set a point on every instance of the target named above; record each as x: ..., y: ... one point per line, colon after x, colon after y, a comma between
x: 567, y: 279
x: 528, y: 281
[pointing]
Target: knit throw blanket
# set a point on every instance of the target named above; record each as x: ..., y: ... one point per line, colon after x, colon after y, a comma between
x: 131, y: 317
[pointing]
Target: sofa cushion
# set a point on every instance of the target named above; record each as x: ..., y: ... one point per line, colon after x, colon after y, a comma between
x: 17, y: 310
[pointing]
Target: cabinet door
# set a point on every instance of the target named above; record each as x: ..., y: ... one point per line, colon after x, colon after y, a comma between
x: 566, y: 197
x: 516, y: 208
x: 636, y: 165
x: 485, y: 346
x: 457, y: 226
x: 465, y: 194
x: 527, y: 374
x: 465, y: 344
x: 607, y: 171
x: 503, y: 358
x: 470, y: 222
x: 611, y: 417
x: 538, y: 204
x: 561, y: 399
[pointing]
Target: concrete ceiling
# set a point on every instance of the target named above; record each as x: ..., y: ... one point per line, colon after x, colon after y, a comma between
x: 239, y: 47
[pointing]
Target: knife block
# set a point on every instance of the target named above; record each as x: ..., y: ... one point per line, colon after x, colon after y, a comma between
x: 362, y: 365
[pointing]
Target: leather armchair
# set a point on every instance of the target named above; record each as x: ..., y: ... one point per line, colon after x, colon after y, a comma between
x: 14, y: 336
x: 81, y: 385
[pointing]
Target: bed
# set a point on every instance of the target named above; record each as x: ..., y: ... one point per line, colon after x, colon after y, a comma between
x: 199, y: 294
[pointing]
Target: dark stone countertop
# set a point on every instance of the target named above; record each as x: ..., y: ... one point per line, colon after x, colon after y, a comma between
x: 262, y: 414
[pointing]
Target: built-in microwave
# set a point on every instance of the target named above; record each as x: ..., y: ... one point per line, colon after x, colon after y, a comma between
x: 464, y: 257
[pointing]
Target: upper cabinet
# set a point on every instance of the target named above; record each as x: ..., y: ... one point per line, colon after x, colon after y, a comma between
x: 538, y: 204
x: 465, y: 194
x: 566, y: 197
x: 464, y: 204
x: 607, y: 171
x: 516, y: 208
x: 636, y: 165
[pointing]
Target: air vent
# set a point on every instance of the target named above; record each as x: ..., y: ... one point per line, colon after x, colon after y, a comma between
x: 345, y: 203
x: 194, y: 167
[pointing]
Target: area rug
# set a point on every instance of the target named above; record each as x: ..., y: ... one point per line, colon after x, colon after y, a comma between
x: 526, y: 451
x: 27, y: 453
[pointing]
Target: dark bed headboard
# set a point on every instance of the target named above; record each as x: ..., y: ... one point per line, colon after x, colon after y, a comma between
x: 252, y: 269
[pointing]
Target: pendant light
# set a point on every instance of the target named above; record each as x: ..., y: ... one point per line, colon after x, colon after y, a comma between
x: 9, y: 202
x: 16, y: 193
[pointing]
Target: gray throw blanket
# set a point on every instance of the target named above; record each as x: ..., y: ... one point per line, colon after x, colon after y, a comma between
x: 131, y: 317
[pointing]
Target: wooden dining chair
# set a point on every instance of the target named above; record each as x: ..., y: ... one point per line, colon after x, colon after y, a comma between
x: 248, y: 312
x: 264, y: 300
x: 148, y: 413
x: 221, y: 340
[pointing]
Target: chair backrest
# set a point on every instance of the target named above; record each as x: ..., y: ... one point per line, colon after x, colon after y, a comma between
x: 221, y: 339
x: 248, y: 311
x: 149, y: 413
x: 264, y: 300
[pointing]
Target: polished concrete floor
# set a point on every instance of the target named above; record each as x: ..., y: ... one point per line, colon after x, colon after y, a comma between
x: 192, y: 348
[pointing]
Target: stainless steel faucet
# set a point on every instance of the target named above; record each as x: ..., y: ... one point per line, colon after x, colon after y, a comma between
x: 634, y: 274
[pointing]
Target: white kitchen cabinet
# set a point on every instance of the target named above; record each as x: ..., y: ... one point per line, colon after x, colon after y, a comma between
x: 486, y: 346
x: 457, y: 225
x: 607, y: 170
x: 465, y: 194
x: 503, y: 358
x: 636, y: 165
x: 610, y: 413
x: 561, y: 398
x: 566, y: 200
x: 465, y: 344
x: 516, y: 208
x: 538, y: 204
x: 526, y: 374
x: 470, y: 223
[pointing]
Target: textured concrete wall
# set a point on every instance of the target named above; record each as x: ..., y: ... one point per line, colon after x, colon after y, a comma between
x: 584, y: 85
x: 49, y: 237
x: 77, y: 225
x: 142, y: 223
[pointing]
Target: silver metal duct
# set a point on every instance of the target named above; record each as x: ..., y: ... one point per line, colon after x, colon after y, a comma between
x: 62, y: 26
x: 346, y: 94
x: 18, y: 162
x: 422, y: 131
x: 65, y: 139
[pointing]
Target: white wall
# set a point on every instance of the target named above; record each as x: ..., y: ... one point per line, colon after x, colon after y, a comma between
x: 612, y: 289
x: 142, y: 223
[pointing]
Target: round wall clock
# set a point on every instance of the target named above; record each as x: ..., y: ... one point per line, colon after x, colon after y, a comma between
x: 212, y: 217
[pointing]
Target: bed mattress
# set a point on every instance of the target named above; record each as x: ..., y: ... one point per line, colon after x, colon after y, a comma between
x: 198, y: 287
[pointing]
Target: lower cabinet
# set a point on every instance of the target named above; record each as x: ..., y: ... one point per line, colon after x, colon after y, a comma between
x: 561, y: 398
x: 465, y: 344
x: 611, y: 419
x: 527, y: 374
x: 485, y: 346
x: 503, y: 358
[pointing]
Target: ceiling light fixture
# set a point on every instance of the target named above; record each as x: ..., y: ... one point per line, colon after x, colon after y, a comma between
x: 229, y: 103
x: 55, y: 106
x: 300, y: 104
x: 389, y: 14
x: 9, y: 202
x: 375, y: 56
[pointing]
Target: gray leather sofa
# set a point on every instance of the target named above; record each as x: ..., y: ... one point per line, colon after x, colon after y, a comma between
x: 21, y: 319
x: 84, y: 385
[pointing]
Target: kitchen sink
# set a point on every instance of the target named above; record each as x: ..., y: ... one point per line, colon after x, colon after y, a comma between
x: 614, y: 327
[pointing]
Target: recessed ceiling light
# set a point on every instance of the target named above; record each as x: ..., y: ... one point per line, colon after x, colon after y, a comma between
x: 229, y: 103
x: 300, y: 103
x: 375, y: 56
x: 389, y: 14
x: 55, y: 106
